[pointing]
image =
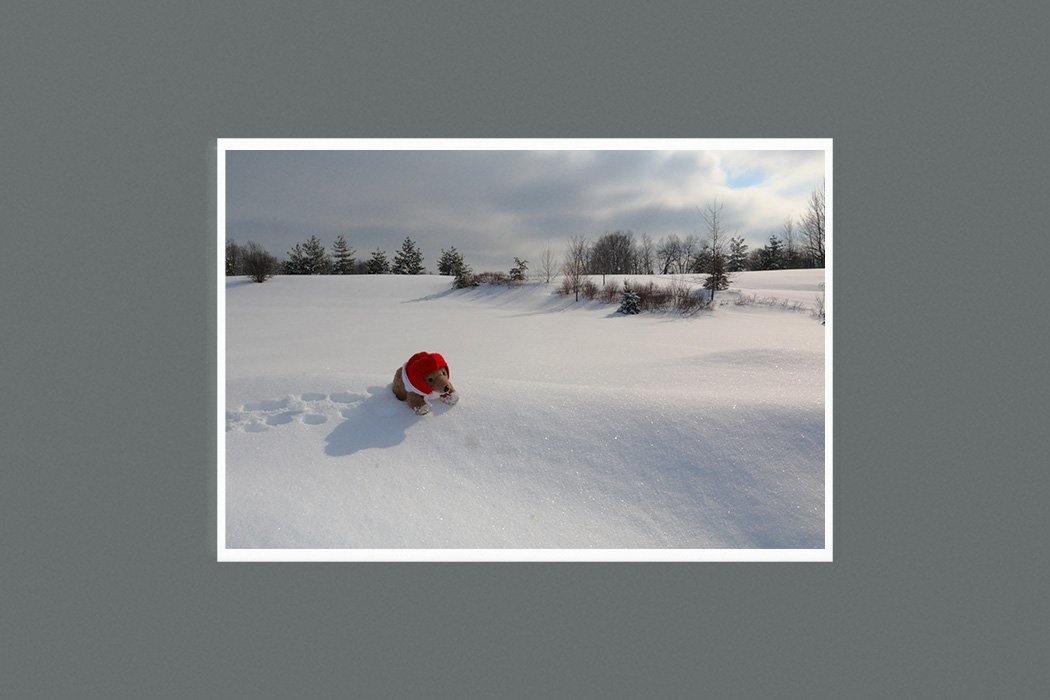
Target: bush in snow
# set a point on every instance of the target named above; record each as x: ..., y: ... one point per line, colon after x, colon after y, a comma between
x: 491, y: 278
x: 257, y: 263
x: 652, y: 297
x: 589, y: 290
x: 234, y: 255
x: 465, y: 279
x: 629, y: 301
x: 609, y: 293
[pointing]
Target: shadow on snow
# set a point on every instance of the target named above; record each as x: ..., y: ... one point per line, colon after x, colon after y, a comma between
x: 377, y: 422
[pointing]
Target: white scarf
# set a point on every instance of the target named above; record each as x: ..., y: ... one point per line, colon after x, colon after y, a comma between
x: 408, y: 384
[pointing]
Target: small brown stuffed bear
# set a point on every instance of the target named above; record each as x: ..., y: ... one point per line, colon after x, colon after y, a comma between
x: 424, y: 373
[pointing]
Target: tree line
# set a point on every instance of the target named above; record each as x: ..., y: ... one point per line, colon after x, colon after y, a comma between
x: 800, y: 244
x: 718, y: 254
x: 311, y: 258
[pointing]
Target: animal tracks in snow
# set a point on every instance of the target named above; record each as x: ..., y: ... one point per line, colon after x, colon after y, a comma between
x: 309, y: 408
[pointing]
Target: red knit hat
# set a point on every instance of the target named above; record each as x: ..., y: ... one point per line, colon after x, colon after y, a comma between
x: 420, y: 365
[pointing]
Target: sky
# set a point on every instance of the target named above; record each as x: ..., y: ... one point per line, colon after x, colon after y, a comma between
x: 494, y: 205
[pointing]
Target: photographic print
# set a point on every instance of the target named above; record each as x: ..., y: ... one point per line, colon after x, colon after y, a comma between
x: 524, y: 349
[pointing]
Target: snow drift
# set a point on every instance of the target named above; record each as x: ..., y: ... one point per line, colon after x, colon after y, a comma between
x: 577, y: 427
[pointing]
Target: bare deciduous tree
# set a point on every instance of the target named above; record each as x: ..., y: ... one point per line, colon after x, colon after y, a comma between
x: 690, y: 248
x: 792, y: 256
x: 669, y: 253
x: 233, y: 258
x: 718, y: 276
x: 644, y: 255
x: 575, y: 265
x: 812, y: 226
x: 548, y: 266
x: 612, y: 254
x: 716, y: 235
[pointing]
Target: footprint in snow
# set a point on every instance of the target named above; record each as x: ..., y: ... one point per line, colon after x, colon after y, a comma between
x: 282, y: 418
x: 309, y: 408
x: 348, y: 397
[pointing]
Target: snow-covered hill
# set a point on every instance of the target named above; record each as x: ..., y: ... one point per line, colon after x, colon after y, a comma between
x: 576, y: 427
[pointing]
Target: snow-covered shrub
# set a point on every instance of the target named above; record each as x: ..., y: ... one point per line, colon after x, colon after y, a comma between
x: 588, y: 290
x: 686, y: 300
x: 629, y: 301
x: 745, y: 300
x: 652, y: 297
x: 818, y: 304
x: 609, y: 293
x: 491, y: 278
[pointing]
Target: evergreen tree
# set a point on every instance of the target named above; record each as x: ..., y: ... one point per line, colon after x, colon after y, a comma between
x: 737, y: 255
x: 629, y: 301
x: 716, y: 276
x: 409, y: 260
x: 451, y: 261
x: 343, y: 257
x: 519, y: 272
x: 315, y: 258
x: 702, y: 261
x: 377, y: 264
x: 465, y: 277
x: 296, y: 262
x: 773, y: 254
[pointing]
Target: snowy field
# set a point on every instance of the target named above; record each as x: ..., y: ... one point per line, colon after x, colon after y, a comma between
x: 576, y: 427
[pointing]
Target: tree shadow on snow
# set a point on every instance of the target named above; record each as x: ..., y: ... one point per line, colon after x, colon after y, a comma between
x: 378, y: 421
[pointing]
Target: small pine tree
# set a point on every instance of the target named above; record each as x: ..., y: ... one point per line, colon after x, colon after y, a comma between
x: 465, y: 277
x: 702, y: 261
x: 342, y: 257
x: 773, y: 254
x: 315, y: 258
x: 519, y: 273
x: 377, y: 264
x: 450, y: 262
x: 296, y: 262
x: 717, y: 278
x: 737, y: 255
x: 629, y: 301
x: 409, y: 260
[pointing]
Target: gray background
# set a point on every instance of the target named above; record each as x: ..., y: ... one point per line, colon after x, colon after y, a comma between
x: 109, y: 114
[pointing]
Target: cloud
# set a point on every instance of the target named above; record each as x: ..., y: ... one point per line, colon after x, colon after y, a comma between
x: 493, y: 205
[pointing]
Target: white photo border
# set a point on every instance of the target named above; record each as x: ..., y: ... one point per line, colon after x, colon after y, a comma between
x: 226, y: 554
